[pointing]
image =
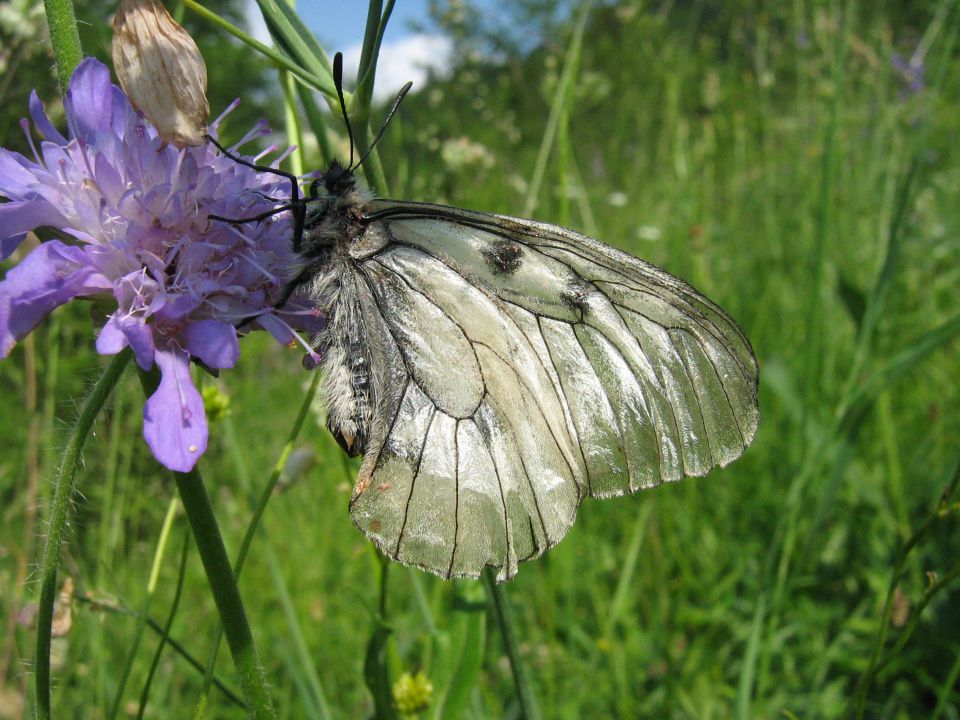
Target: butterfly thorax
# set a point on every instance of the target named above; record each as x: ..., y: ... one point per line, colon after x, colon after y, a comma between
x: 334, y: 219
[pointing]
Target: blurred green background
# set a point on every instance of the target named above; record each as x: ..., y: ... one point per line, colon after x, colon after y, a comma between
x: 798, y: 163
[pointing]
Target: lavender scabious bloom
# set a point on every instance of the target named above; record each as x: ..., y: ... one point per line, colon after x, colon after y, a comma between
x: 911, y: 73
x: 134, y: 216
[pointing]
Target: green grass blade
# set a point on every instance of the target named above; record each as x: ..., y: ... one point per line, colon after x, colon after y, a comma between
x: 165, y: 634
x: 317, y: 75
x: 295, y: 38
x: 145, y: 609
x: 508, y: 633
x: 561, y: 99
x: 458, y: 652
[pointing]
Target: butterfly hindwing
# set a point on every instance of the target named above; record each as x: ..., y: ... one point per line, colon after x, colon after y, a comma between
x: 520, y: 367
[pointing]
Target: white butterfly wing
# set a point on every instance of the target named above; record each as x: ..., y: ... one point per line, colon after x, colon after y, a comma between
x: 519, y: 367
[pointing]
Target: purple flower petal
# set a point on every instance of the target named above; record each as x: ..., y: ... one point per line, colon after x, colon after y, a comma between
x: 174, y: 423
x: 110, y: 339
x: 214, y: 342
x: 118, y: 333
x: 9, y: 244
x: 17, y: 217
x: 89, y: 99
x: 280, y: 331
x: 18, y: 176
x: 49, y: 276
x: 40, y: 119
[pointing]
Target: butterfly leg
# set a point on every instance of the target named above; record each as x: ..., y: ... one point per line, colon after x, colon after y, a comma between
x: 310, y: 271
x: 299, y: 210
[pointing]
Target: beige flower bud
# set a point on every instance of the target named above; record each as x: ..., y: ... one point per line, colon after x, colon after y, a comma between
x: 161, y: 70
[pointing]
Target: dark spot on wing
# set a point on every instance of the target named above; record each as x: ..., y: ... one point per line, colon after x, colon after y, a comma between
x: 576, y: 296
x: 503, y: 256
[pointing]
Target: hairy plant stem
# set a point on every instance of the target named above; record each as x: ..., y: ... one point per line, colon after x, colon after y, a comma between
x: 64, y: 38
x: 58, y: 519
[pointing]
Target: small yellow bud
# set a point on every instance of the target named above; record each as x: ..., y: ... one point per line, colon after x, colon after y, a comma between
x: 161, y: 70
x: 412, y: 693
x: 216, y: 402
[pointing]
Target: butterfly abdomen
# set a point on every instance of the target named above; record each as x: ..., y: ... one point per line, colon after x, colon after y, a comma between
x: 347, y: 382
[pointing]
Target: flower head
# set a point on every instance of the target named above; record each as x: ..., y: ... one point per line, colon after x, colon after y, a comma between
x: 134, y: 215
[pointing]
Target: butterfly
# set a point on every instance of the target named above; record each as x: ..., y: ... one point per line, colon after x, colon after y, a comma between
x: 495, y: 371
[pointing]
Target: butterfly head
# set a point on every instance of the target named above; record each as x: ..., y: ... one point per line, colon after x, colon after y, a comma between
x: 339, y: 180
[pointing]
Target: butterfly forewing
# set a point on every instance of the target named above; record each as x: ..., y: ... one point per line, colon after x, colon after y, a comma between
x: 519, y: 367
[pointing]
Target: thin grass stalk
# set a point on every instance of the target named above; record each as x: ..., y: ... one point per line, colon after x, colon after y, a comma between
x: 824, y: 230
x: 291, y: 121
x: 60, y: 506
x: 118, y: 609
x: 322, y: 84
x: 377, y: 19
x: 560, y: 99
x: 64, y: 38
x: 947, y: 689
x: 521, y: 679
x: 942, y: 510
x: 165, y: 634
x: 317, y: 123
x: 145, y: 611
x: 375, y: 667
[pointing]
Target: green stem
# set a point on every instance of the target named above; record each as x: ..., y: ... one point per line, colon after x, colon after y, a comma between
x: 323, y: 84
x: 501, y: 603
x: 64, y: 38
x: 376, y: 664
x: 377, y: 19
x: 59, y: 514
x: 223, y: 585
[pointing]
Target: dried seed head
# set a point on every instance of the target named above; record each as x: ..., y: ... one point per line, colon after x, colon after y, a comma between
x: 161, y: 70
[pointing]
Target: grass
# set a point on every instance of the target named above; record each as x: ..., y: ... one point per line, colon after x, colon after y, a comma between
x: 779, y: 163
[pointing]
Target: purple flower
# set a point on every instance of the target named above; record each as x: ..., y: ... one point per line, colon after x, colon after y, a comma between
x: 911, y: 74
x: 134, y: 215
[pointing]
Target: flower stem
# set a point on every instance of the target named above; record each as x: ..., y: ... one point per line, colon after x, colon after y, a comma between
x: 59, y: 514
x: 501, y: 603
x: 64, y: 38
x: 223, y: 585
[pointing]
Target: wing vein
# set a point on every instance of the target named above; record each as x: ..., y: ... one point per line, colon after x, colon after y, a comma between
x: 413, y: 481
x: 456, y: 495
x: 503, y: 499
x: 563, y: 393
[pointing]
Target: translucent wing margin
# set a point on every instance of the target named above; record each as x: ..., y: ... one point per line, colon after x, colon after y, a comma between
x: 519, y: 367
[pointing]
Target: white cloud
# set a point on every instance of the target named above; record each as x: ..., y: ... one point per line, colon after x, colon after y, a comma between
x: 401, y: 61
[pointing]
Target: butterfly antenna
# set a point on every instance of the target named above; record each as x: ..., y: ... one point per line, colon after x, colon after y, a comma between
x: 338, y: 84
x: 393, y: 109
